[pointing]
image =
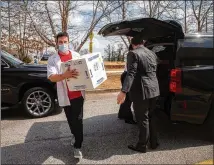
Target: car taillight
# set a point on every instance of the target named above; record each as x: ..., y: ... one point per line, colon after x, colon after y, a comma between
x: 175, y: 81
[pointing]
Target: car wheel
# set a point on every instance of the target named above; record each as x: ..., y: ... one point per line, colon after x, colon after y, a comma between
x: 38, y: 102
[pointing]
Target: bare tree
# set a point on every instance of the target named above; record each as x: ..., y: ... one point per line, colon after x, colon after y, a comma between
x: 201, y: 10
x: 120, y: 54
x: 66, y: 6
x: 122, y: 13
x: 124, y: 7
x: 115, y: 54
x: 185, y: 16
x: 41, y: 16
x: 108, y: 52
x: 155, y: 9
x: 9, y: 22
x: 179, y: 11
x: 17, y: 31
x: 64, y: 10
x: 101, y: 9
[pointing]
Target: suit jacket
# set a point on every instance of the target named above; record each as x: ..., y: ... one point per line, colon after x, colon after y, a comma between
x: 141, y: 80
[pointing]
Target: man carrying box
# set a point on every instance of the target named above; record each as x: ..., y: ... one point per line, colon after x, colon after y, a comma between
x: 71, y: 101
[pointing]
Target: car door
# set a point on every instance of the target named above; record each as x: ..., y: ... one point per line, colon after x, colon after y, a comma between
x: 196, y: 65
x: 8, y: 92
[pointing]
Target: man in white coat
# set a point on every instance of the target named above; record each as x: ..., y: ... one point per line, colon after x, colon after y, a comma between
x: 71, y: 101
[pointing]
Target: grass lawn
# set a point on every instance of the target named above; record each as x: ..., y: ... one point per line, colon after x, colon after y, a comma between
x: 112, y: 82
x: 114, y: 63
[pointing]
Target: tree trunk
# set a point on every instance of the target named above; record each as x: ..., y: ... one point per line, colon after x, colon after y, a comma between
x: 24, y: 34
x: 118, y: 55
x: 20, y: 38
x: 50, y: 20
x: 199, y: 26
x: 150, y: 9
x: 124, y: 17
x: 9, y: 30
x: 64, y: 5
x: 123, y: 58
x: 123, y: 10
x: 185, y: 17
x: 109, y: 53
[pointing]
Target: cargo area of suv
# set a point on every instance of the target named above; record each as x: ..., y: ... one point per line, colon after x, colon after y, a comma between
x: 165, y: 53
x: 161, y: 37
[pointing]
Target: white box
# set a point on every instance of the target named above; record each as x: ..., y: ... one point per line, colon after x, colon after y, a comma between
x: 91, y: 72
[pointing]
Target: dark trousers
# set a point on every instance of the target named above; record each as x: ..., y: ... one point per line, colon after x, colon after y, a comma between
x: 74, y: 115
x: 125, y: 108
x: 146, y: 120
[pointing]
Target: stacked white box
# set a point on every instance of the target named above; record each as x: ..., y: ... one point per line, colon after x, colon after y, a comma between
x: 91, y: 72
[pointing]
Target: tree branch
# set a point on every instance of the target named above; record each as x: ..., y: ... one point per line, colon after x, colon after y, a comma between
x: 50, y: 20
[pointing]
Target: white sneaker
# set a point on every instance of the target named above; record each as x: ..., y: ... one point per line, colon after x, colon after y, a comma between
x: 77, y: 153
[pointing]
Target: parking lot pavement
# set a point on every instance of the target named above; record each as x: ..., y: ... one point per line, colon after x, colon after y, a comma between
x: 47, y: 140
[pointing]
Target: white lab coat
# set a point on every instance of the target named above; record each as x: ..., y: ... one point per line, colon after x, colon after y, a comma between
x: 54, y: 67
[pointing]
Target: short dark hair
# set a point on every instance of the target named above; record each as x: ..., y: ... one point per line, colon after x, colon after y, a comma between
x: 62, y: 34
x: 137, y: 40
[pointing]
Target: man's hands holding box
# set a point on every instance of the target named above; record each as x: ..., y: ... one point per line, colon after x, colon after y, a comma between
x: 71, y: 73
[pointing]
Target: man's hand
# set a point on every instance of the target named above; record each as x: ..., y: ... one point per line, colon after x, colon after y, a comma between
x: 68, y: 74
x: 121, y: 98
x: 71, y: 73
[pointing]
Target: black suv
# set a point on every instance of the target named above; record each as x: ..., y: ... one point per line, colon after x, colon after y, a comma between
x: 185, y: 71
x: 26, y: 84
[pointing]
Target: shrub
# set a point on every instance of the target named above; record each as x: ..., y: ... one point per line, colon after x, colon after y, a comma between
x: 27, y: 59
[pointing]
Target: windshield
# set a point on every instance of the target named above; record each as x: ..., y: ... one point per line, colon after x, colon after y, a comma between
x: 11, y: 58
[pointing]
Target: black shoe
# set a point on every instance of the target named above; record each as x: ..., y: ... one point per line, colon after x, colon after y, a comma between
x: 130, y: 121
x: 137, y: 148
x: 154, y: 146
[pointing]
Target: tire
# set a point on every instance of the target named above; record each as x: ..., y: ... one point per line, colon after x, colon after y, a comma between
x: 38, y: 102
x: 58, y: 109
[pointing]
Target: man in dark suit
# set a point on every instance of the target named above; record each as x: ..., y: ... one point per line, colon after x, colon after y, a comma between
x: 142, y: 84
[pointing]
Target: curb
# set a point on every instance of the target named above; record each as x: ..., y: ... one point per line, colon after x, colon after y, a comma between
x: 102, y: 91
x: 210, y: 161
x: 115, y: 72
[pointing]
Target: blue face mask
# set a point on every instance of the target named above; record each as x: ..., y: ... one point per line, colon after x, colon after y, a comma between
x: 63, y: 48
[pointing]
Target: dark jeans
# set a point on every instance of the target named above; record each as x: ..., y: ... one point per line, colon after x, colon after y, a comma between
x: 74, y: 114
x: 146, y: 120
x: 125, y: 108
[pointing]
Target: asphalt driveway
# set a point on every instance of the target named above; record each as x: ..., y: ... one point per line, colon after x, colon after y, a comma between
x: 47, y: 140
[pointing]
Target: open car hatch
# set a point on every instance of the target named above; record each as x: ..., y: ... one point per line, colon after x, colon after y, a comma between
x: 146, y: 27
